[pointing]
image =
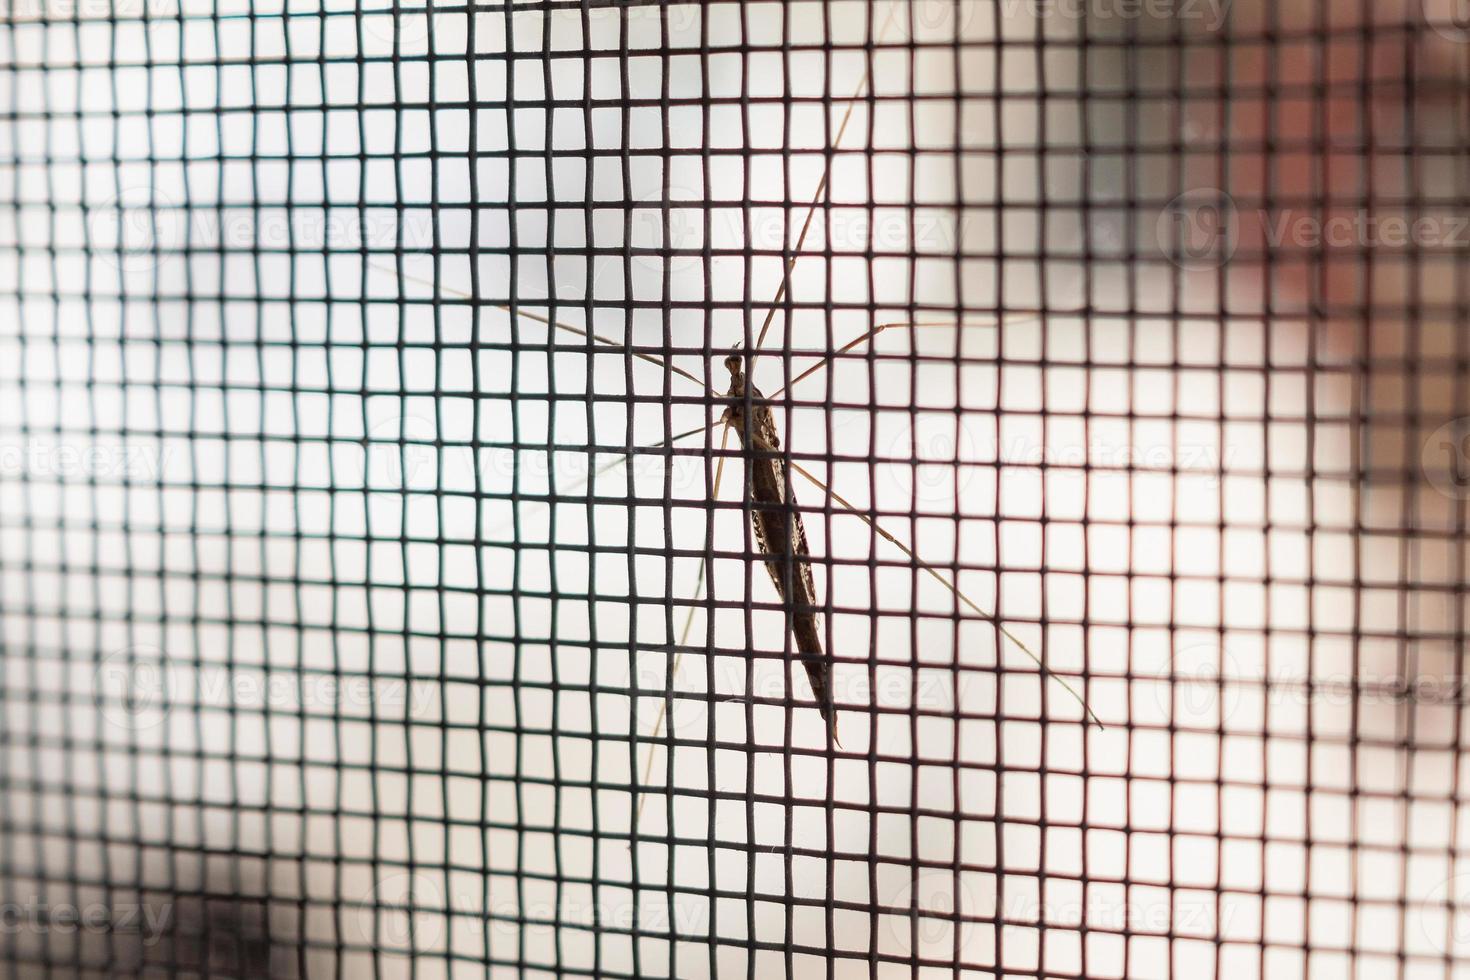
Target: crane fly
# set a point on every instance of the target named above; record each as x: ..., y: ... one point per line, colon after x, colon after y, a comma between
x: 776, y: 520
x: 775, y: 517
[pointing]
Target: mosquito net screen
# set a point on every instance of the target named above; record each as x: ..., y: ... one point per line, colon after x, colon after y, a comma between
x: 807, y: 489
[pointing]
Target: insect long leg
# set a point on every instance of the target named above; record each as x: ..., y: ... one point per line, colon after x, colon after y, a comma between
x: 871, y: 335
x: 894, y: 540
x: 616, y: 462
x: 658, y: 722
x: 556, y: 324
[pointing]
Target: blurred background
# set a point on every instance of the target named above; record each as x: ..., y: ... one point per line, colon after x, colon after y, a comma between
x: 338, y: 642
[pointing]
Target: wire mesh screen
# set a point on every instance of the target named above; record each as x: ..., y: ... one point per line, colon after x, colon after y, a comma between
x: 801, y: 489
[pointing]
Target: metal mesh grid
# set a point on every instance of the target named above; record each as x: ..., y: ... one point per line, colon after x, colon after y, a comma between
x: 338, y: 642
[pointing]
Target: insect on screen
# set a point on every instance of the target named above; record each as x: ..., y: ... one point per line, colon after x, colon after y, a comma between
x: 808, y: 489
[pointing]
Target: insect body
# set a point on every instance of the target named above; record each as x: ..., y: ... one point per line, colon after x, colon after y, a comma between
x: 779, y: 531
